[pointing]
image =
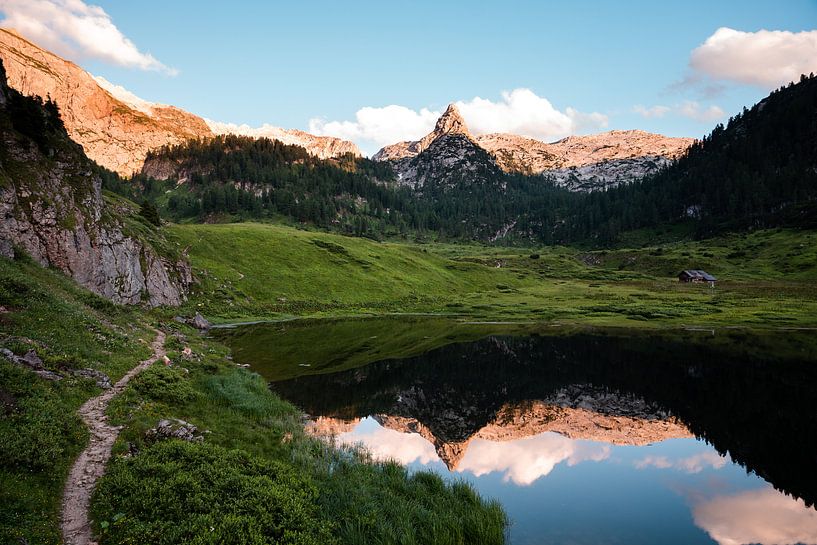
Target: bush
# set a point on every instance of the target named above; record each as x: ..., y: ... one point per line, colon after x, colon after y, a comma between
x: 164, y: 383
x: 177, y: 492
x: 37, y: 426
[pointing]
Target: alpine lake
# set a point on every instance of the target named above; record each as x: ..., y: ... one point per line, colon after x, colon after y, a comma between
x: 585, y: 436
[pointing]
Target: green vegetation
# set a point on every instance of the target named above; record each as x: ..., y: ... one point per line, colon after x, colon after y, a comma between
x: 257, y: 475
x: 178, y: 492
x: 252, y: 271
x: 754, y: 172
x: 40, y: 432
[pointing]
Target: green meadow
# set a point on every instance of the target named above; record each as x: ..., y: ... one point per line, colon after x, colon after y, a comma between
x: 261, y: 272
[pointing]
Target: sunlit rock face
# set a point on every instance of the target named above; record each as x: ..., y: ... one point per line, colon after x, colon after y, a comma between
x: 114, y: 133
x: 116, y: 128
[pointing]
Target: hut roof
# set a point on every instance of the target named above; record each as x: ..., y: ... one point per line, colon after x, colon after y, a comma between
x: 701, y: 274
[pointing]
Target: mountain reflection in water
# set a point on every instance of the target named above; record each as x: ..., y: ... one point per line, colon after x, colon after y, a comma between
x: 698, y: 431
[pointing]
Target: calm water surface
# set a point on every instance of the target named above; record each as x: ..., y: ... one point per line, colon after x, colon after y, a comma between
x: 584, y: 436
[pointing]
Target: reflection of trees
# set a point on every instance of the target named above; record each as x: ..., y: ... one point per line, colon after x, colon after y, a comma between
x: 759, y: 411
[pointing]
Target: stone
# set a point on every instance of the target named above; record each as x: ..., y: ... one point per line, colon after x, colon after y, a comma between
x: 174, y: 428
x: 32, y: 362
x: 6, y: 248
x: 31, y: 359
x: 56, y: 213
x: 102, y: 380
x: 199, y: 322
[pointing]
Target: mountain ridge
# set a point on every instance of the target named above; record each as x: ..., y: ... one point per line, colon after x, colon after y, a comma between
x: 115, y: 127
x: 579, y: 163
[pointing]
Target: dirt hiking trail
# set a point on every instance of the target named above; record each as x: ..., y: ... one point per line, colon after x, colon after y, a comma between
x: 90, y: 465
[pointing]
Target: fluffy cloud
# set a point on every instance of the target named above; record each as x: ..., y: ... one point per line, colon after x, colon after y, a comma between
x: 689, y: 108
x: 380, y: 126
x: 520, y: 112
x: 762, y: 516
x: 766, y: 58
x: 76, y: 30
x: 523, y: 461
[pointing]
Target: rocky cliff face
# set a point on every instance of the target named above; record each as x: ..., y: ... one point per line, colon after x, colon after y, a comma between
x: 610, y: 158
x: 116, y: 128
x: 451, y: 122
x: 51, y: 206
x: 579, y: 163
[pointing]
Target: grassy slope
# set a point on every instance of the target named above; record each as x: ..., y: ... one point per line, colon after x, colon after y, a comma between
x: 268, y: 268
x: 252, y: 270
x: 40, y: 432
x: 266, y: 477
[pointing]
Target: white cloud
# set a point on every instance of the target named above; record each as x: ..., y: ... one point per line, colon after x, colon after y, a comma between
x: 523, y: 112
x: 520, y: 112
x: 689, y: 108
x: 762, y: 516
x: 704, y: 114
x: 76, y: 30
x: 691, y: 464
x: 386, y: 444
x: 653, y: 111
x: 380, y: 126
x: 766, y: 58
x: 523, y: 461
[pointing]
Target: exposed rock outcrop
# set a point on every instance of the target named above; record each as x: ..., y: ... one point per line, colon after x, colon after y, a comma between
x: 51, y: 206
x: 451, y: 122
x: 445, y: 157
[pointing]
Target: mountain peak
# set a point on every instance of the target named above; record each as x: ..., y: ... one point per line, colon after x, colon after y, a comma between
x: 451, y: 122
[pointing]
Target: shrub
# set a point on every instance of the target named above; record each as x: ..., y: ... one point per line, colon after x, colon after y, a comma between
x: 177, y: 492
x: 39, y: 427
x: 164, y: 383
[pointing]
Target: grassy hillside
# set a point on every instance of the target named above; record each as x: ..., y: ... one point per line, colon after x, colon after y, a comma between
x: 249, y: 271
x: 265, y: 476
x: 40, y: 433
x: 264, y: 269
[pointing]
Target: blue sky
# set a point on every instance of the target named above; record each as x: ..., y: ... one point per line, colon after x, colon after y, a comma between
x: 289, y: 63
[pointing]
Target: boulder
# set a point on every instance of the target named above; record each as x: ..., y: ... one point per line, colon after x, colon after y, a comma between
x: 173, y: 428
x: 199, y: 322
